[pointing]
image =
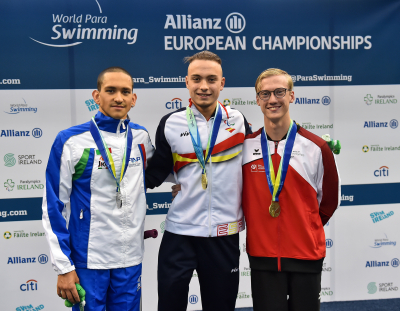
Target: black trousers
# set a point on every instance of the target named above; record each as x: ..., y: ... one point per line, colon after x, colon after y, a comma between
x: 216, y: 261
x: 270, y: 290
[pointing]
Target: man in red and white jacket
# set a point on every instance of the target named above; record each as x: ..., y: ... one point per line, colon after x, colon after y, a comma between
x: 286, y: 252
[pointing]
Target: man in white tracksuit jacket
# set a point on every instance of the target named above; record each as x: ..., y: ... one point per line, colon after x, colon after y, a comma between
x: 94, y: 221
x: 203, y: 223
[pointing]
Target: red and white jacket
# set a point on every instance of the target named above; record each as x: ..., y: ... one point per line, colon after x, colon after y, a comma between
x: 295, y: 240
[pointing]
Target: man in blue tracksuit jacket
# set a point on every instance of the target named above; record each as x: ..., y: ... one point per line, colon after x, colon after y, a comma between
x: 94, y: 220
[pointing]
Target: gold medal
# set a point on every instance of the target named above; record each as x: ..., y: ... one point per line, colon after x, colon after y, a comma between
x: 274, y: 209
x: 204, y: 181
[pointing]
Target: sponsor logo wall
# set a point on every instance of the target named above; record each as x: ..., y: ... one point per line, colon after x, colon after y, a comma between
x: 46, y: 87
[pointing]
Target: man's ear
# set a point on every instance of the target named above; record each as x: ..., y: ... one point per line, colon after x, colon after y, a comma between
x: 134, y: 98
x: 222, y: 84
x: 96, y: 95
x: 292, y: 97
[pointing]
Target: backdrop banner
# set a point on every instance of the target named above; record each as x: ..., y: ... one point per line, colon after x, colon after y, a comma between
x: 344, y: 62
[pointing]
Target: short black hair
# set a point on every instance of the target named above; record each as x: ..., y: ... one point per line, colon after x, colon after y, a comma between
x: 100, y: 78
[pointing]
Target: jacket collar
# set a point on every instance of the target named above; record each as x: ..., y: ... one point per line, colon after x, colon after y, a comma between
x: 109, y: 124
x: 196, y: 112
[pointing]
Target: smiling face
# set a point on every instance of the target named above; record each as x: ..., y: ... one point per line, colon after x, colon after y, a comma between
x: 275, y: 110
x: 115, y: 97
x: 204, y: 82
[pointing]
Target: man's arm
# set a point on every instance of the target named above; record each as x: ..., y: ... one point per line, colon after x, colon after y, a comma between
x: 161, y: 164
x: 328, y: 184
x: 56, y: 195
x: 247, y: 127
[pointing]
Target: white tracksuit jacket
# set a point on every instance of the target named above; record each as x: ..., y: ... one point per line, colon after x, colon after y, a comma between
x: 217, y: 210
x: 84, y: 227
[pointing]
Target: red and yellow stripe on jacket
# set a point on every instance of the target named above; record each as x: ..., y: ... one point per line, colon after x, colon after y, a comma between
x: 181, y: 160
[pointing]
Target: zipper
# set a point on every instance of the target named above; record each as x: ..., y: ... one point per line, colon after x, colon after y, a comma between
x: 81, y: 214
x: 210, y: 187
x: 279, y: 222
x: 124, y: 212
x: 121, y: 122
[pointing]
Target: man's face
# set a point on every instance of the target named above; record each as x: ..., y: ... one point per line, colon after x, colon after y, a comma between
x: 115, y: 97
x: 275, y: 109
x: 204, y: 82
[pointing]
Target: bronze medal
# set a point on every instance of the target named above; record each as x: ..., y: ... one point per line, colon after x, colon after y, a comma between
x: 204, y: 181
x: 274, y: 209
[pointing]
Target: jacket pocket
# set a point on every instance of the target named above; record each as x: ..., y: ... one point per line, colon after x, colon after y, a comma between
x: 313, y: 228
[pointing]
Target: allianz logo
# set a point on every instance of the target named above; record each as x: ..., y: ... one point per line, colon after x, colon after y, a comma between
x: 326, y: 100
x: 395, y: 262
x: 42, y: 259
x: 372, y: 124
x: 234, y: 22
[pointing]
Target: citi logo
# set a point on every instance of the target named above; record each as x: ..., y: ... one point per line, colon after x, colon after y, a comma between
x: 383, y: 171
x: 175, y: 103
x: 328, y: 243
x: 30, y: 285
x: 193, y: 299
x: 185, y: 134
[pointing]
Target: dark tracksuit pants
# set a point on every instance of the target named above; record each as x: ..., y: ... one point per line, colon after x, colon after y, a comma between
x: 216, y: 260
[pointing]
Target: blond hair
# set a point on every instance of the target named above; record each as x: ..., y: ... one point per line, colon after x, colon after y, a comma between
x: 273, y: 72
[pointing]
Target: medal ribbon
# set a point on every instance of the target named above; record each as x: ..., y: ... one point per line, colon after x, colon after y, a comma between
x: 276, y: 183
x: 194, y: 134
x: 106, y: 154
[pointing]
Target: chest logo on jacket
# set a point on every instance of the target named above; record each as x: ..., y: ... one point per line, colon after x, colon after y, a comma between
x: 102, y: 163
x: 134, y: 161
x: 255, y: 168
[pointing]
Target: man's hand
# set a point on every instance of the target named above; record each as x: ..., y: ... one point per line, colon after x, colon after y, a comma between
x: 175, y: 190
x: 66, y: 286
